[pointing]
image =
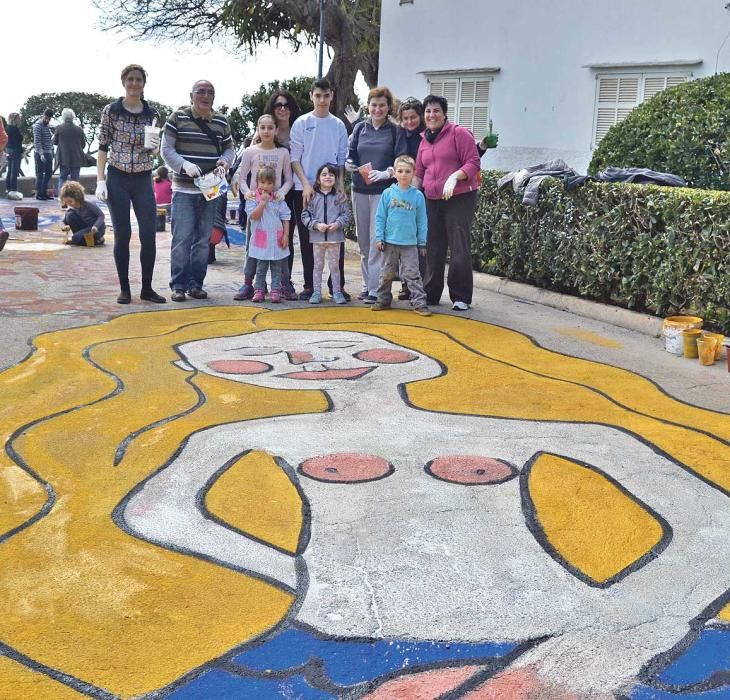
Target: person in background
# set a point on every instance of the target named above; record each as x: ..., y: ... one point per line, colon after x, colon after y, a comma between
x: 128, y: 179
x: 14, y: 151
x: 70, y: 140
x: 82, y: 217
x: 43, y: 147
x: 448, y: 167
x: 411, y: 126
x: 3, y: 142
x: 317, y: 137
x: 373, y: 147
x: 162, y: 186
x: 197, y: 141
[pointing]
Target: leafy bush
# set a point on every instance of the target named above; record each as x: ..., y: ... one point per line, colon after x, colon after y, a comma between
x: 682, y: 130
x: 660, y: 250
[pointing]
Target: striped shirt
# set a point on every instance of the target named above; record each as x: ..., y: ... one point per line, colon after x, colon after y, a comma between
x: 184, y: 140
x: 42, y: 138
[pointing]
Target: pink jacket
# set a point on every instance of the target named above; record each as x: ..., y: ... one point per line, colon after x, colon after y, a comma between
x: 454, y: 149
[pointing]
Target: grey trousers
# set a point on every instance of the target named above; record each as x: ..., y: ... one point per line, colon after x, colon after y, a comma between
x: 407, y: 256
x: 449, y: 227
x: 364, y: 207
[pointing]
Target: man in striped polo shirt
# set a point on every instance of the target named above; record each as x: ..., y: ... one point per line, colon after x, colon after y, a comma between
x: 196, y: 141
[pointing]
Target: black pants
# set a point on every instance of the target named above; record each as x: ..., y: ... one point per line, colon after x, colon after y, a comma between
x: 135, y: 189
x: 449, y: 229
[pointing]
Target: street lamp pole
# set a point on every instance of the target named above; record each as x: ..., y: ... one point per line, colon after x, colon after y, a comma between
x: 321, y: 37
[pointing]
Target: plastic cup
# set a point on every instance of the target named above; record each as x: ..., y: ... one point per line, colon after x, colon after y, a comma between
x: 706, y: 350
x: 689, y: 341
x: 89, y: 239
x: 364, y: 170
x: 151, y: 137
x: 719, y: 337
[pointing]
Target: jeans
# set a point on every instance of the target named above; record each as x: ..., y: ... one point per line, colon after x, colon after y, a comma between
x: 43, y: 172
x: 277, y: 269
x: 135, y: 188
x: 79, y: 227
x: 66, y: 172
x: 15, y: 155
x: 192, y: 223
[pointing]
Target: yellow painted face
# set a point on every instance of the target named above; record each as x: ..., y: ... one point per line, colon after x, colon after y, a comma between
x: 95, y: 411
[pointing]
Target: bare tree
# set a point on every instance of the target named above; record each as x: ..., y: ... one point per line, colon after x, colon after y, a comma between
x: 352, y: 29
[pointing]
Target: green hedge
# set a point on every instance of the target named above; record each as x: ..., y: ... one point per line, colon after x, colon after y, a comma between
x: 659, y: 250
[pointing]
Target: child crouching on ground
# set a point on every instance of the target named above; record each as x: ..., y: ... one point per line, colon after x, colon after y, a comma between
x: 326, y: 218
x: 82, y: 217
x: 268, y: 231
x: 401, y: 228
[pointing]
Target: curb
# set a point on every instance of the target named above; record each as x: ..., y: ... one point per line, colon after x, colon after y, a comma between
x: 624, y: 318
x: 615, y: 315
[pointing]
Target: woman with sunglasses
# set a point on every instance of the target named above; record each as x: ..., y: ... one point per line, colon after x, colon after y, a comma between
x: 284, y: 108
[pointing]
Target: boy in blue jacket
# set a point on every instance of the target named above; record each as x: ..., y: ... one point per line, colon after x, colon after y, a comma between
x: 401, y: 228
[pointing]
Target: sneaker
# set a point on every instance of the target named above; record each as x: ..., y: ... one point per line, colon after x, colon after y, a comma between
x: 245, y: 292
x: 370, y: 299
x: 289, y: 294
x: 362, y: 295
x: 305, y: 294
x: 197, y: 293
x: 423, y: 311
x: 404, y: 294
x: 339, y: 297
x: 275, y: 296
x: 4, y: 235
x: 460, y: 306
x: 315, y: 298
x: 178, y: 295
x: 258, y: 296
x: 377, y: 306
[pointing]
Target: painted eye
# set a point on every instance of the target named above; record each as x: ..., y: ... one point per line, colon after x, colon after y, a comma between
x: 346, y: 468
x: 470, y: 470
x: 239, y: 366
x: 386, y: 357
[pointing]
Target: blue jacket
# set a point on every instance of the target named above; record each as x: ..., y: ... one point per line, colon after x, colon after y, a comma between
x: 401, y: 217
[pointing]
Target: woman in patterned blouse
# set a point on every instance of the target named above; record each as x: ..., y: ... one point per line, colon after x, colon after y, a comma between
x: 128, y: 179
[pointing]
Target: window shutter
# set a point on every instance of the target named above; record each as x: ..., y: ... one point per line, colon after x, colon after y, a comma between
x: 616, y: 97
x: 445, y: 88
x: 473, y: 112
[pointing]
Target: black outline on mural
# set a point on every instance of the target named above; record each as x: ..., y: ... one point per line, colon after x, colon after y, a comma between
x: 533, y: 523
x: 512, y: 468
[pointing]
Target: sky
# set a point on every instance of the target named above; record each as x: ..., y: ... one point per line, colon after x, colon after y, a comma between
x: 78, y: 56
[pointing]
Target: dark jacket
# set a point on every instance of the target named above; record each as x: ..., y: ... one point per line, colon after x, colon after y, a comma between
x: 15, y: 138
x: 71, y: 142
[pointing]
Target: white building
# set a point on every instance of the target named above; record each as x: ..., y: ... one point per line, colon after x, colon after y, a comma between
x: 553, y: 75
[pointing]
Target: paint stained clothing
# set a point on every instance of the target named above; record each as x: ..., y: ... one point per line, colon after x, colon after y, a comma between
x: 406, y: 259
x: 401, y: 217
x: 267, y: 233
x: 121, y: 135
x: 326, y: 208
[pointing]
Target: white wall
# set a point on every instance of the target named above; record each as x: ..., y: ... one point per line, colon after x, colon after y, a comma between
x: 542, y: 99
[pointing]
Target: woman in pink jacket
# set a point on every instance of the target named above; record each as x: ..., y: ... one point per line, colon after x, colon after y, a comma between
x: 447, y: 168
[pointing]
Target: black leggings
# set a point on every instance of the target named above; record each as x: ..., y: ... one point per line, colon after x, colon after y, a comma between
x: 135, y: 189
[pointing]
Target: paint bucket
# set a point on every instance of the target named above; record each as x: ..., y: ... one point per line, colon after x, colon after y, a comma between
x: 161, y: 220
x: 672, y: 331
x: 689, y: 341
x: 89, y: 239
x: 26, y: 218
x: 719, y: 337
x: 706, y: 350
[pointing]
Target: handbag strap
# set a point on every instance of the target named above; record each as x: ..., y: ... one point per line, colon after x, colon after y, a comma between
x: 209, y: 133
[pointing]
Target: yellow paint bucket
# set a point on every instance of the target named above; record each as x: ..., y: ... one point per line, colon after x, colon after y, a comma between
x: 672, y: 331
x: 719, y: 337
x: 706, y: 350
x: 689, y: 341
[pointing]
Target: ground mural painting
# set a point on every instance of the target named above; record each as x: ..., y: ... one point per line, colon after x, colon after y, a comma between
x: 239, y: 503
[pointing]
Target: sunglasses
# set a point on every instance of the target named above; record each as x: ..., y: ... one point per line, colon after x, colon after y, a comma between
x: 281, y: 105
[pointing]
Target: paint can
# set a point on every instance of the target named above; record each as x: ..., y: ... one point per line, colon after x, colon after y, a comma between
x: 672, y: 331
x: 689, y: 342
x: 89, y: 239
x: 161, y: 220
x: 26, y: 218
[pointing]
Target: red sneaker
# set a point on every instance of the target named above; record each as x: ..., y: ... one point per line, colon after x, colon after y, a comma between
x: 259, y: 296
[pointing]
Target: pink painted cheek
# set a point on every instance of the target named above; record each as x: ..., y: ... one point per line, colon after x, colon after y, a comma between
x: 386, y: 357
x: 239, y: 366
x: 470, y: 470
x: 346, y: 468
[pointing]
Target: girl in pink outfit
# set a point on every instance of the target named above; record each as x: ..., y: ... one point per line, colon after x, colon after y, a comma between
x: 163, y: 188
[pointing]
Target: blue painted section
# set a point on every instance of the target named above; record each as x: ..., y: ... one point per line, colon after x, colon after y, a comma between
x: 644, y: 693
x: 709, y: 654
x: 348, y: 663
x: 220, y: 685
x: 236, y: 236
